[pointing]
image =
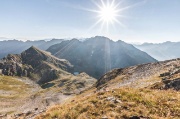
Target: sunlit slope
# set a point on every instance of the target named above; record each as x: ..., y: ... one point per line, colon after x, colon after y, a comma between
x: 13, y: 92
x: 143, y: 91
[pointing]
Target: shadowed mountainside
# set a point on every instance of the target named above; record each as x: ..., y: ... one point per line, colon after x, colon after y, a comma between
x: 97, y: 55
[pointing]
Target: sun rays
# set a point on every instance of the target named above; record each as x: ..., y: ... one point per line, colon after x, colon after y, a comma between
x: 109, y: 12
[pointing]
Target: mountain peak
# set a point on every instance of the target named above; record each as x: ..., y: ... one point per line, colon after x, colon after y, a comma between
x: 32, y: 48
x: 33, y: 51
x: 100, y: 38
x: 97, y: 55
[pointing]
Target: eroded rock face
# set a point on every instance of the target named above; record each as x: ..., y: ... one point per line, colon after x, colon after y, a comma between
x: 12, y: 66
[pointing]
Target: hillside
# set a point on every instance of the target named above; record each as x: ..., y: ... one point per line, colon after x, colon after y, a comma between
x: 97, y: 55
x: 33, y: 99
x: 142, y: 76
x: 147, y: 91
x: 162, y: 51
x: 33, y: 80
x: 16, y: 47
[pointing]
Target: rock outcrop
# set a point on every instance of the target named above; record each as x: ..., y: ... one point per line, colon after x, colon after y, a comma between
x: 11, y: 65
x: 173, y: 84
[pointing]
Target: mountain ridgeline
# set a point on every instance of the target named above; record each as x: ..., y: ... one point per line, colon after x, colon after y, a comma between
x: 97, y: 55
x: 16, y: 47
x: 162, y: 51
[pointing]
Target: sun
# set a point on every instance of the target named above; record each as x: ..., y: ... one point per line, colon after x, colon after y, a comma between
x: 108, y: 13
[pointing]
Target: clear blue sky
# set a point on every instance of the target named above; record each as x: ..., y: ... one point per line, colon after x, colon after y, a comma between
x: 145, y: 21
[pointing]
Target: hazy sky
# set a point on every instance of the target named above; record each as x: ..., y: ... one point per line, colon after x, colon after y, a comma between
x: 143, y: 21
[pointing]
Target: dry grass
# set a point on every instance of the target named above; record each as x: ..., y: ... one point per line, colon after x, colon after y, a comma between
x: 141, y: 102
x: 11, y: 84
x: 12, y: 93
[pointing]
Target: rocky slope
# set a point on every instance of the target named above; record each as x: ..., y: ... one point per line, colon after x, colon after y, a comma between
x: 34, y: 80
x: 146, y: 91
x: 143, y: 75
x: 97, y: 55
x: 162, y: 51
x: 16, y: 47
x: 33, y: 100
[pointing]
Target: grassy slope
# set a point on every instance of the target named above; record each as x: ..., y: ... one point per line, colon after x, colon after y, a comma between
x: 129, y: 102
x: 133, y: 94
x: 12, y: 93
x: 11, y: 84
x: 18, y: 95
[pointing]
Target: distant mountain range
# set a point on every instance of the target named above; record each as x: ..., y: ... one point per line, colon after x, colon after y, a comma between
x: 16, y: 47
x: 162, y: 51
x: 97, y: 55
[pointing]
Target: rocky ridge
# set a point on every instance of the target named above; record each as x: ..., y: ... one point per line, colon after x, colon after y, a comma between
x: 39, y: 65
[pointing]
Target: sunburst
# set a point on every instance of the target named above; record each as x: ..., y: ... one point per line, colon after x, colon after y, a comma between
x: 108, y: 12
